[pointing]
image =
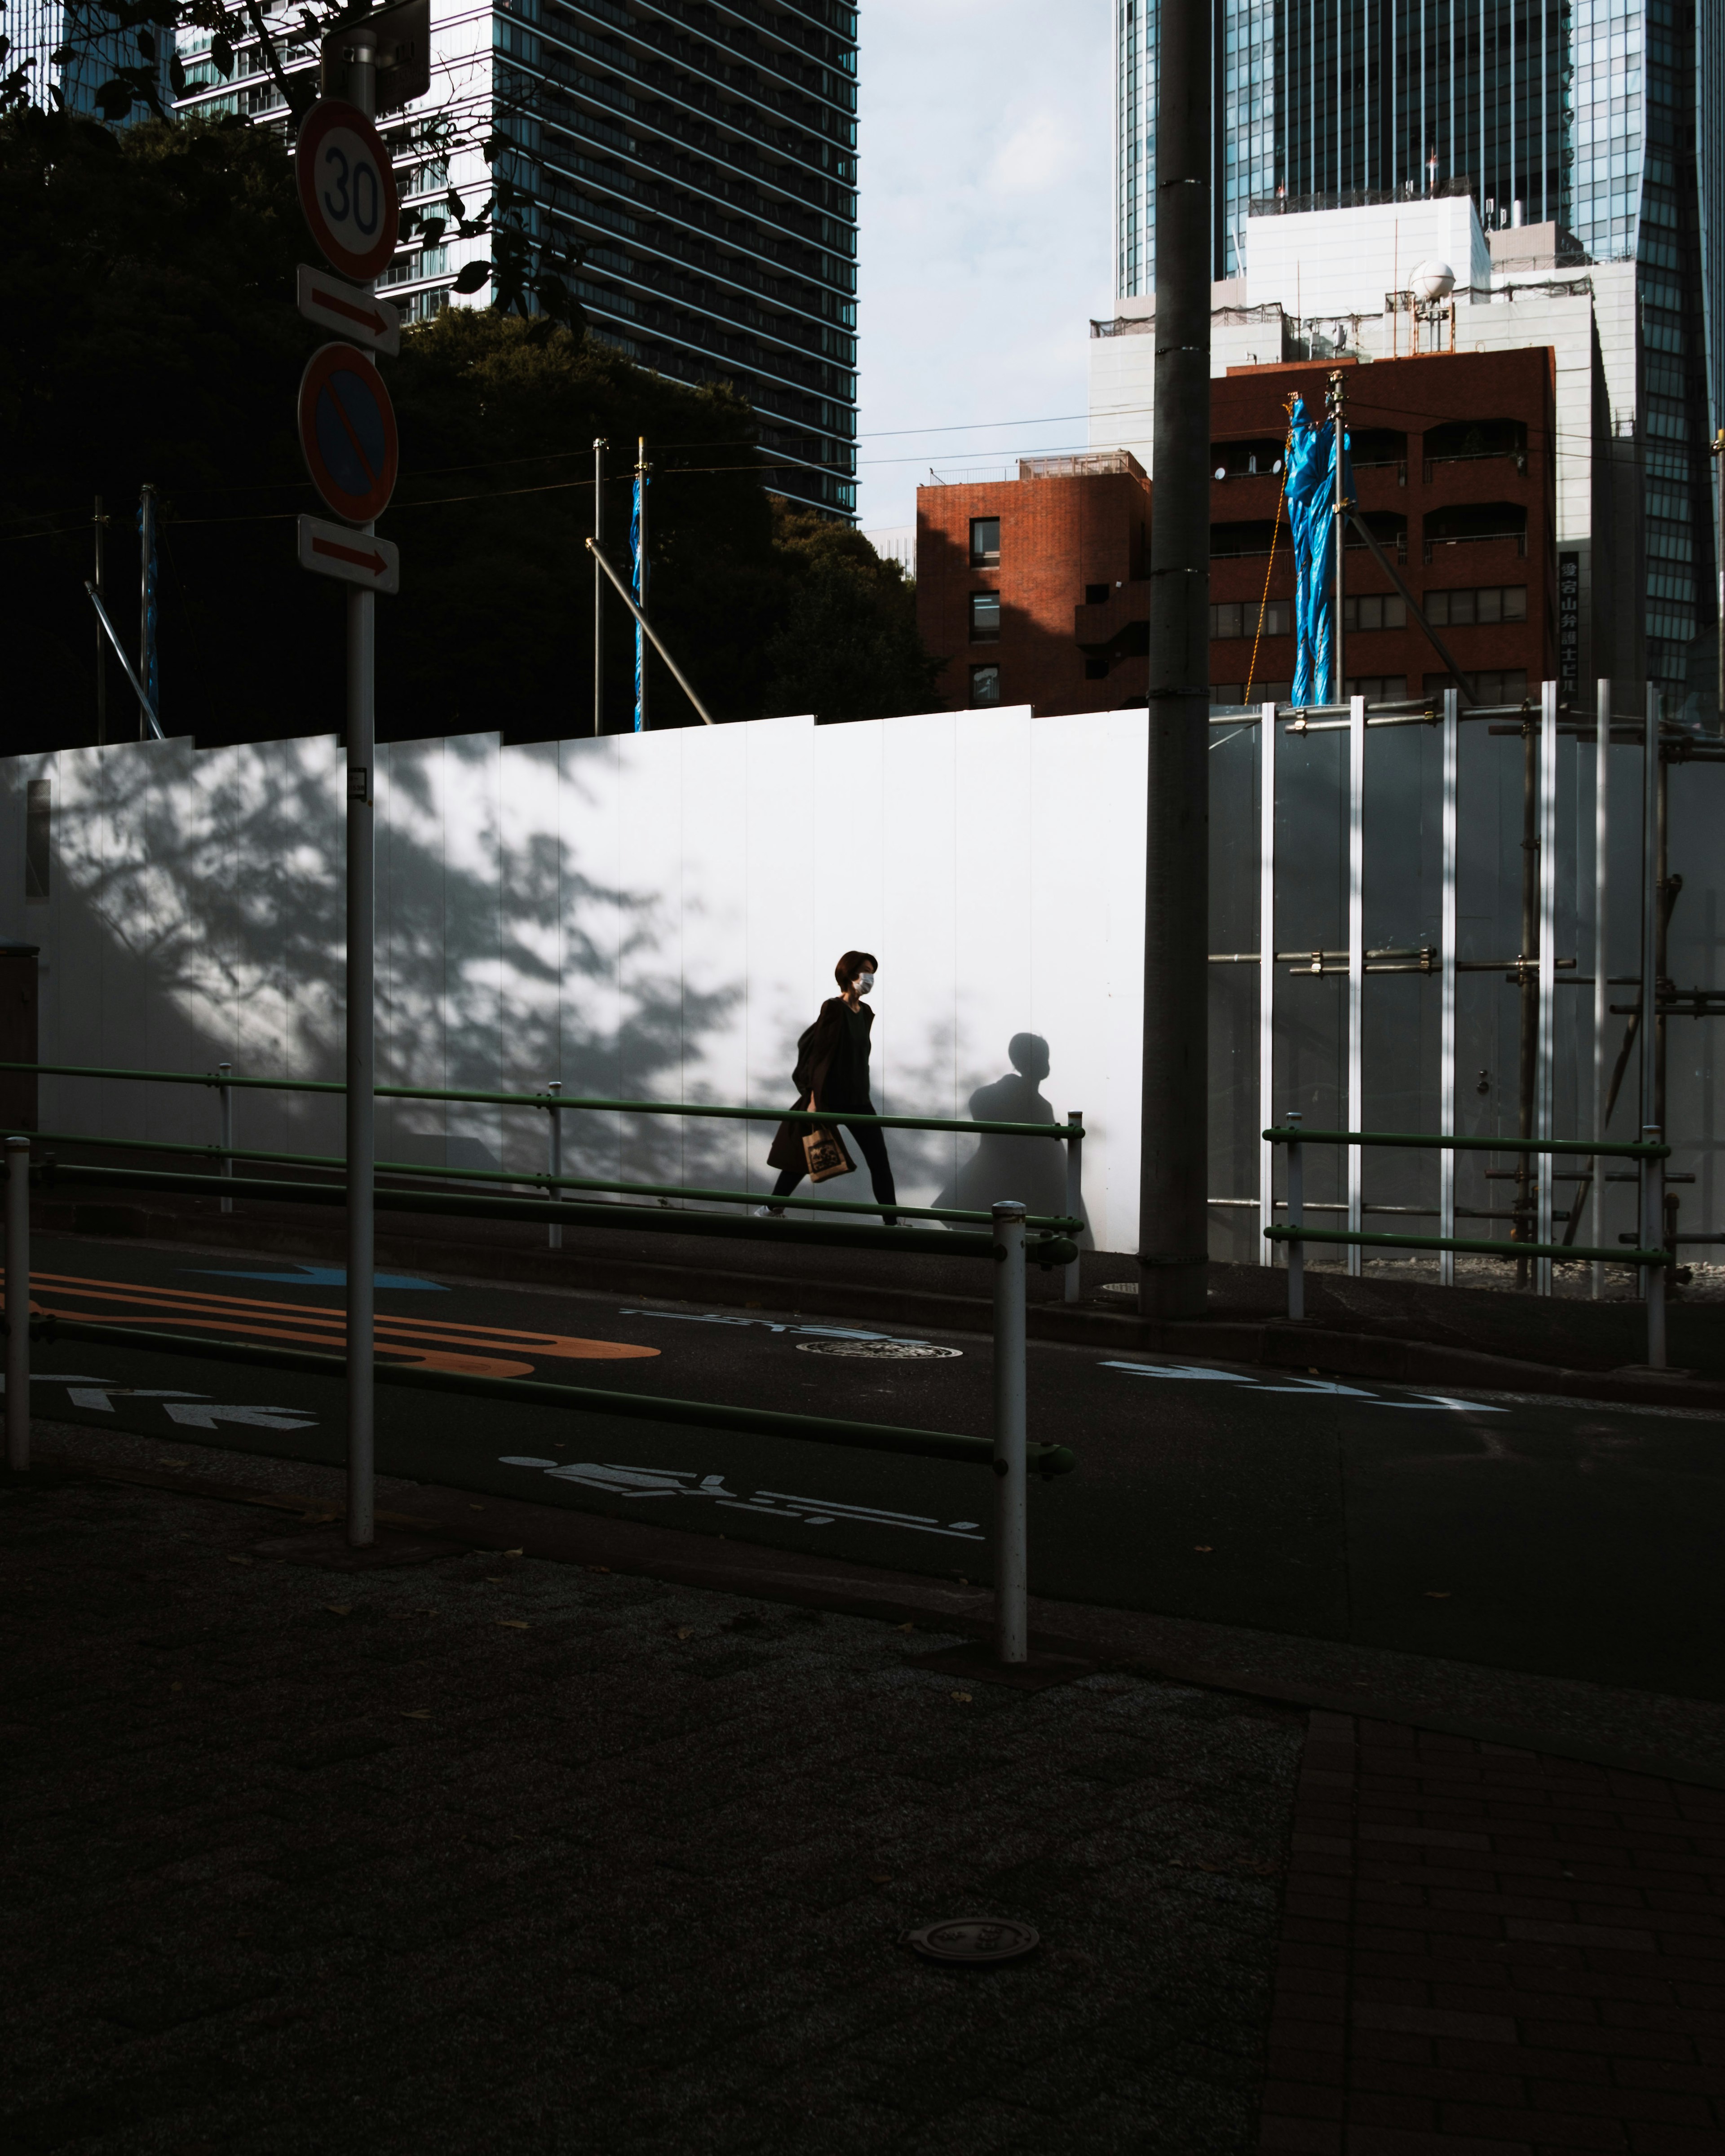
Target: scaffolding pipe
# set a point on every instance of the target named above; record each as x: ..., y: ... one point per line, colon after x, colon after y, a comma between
x: 1447, y: 1046
x: 1528, y: 997
x: 652, y: 633
x: 1602, y: 857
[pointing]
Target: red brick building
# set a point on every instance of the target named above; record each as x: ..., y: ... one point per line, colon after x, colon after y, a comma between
x: 1035, y: 590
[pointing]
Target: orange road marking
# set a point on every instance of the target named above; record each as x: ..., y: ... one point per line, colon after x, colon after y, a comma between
x: 427, y: 1342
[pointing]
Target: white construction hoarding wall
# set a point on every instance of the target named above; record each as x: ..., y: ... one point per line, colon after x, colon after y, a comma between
x: 657, y: 917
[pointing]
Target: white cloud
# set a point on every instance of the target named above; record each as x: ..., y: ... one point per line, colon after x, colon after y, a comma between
x: 986, y: 154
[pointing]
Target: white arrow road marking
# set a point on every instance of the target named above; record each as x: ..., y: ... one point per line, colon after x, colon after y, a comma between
x: 206, y: 1417
x: 779, y: 1504
x: 1421, y: 1402
x: 103, y: 1396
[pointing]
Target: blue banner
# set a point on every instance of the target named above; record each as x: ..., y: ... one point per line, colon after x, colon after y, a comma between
x: 639, y: 581
x: 1311, y: 523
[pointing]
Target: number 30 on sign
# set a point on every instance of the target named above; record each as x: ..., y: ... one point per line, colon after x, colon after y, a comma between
x: 346, y: 189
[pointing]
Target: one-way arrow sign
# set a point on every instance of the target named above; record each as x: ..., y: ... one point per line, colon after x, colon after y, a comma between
x: 334, y: 304
x: 357, y: 557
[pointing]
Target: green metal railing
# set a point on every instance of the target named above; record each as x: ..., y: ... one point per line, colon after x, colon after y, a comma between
x: 1653, y: 1260
x: 1042, y: 1250
x: 1005, y: 1244
x: 535, y: 1178
x: 481, y: 1098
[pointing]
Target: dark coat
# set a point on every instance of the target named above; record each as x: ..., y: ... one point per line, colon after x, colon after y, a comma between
x: 815, y: 1053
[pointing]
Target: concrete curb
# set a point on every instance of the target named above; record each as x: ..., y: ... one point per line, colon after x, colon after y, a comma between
x: 564, y: 1535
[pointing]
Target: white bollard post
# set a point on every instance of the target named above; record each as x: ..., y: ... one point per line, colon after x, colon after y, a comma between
x: 1296, y: 1218
x: 1075, y: 1194
x: 1011, y: 1560
x: 1652, y: 1236
x: 225, y: 1094
x: 554, y: 1235
x: 18, y: 1305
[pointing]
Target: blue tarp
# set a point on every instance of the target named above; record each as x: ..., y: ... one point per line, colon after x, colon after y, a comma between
x: 1311, y: 500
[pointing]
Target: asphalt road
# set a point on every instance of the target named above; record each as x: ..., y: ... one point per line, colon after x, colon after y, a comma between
x: 1551, y: 1536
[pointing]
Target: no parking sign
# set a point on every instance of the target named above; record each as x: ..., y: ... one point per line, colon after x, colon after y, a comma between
x: 347, y: 432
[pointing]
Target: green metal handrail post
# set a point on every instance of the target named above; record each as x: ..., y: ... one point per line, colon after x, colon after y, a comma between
x: 1652, y: 1233
x: 18, y: 1305
x: 1296, y: 1217
x: 1074, y: 1195
x: 1011, y: 1495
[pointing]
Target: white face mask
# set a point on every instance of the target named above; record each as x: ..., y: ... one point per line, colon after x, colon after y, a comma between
x: 864, y: 982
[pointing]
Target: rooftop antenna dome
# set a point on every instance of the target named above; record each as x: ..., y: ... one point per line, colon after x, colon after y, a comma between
x: 1433, y: 281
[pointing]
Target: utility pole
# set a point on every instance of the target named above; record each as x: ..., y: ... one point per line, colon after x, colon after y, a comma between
x: 146, y: 608
x: 1338, y: 685
x: 101, y: 677
x: 1174, y: 1190
x: 642, y: 578
x: 598, y: 593
x: 1718, y: 450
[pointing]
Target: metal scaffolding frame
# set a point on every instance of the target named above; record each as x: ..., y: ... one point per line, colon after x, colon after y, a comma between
x: 1535, y: 968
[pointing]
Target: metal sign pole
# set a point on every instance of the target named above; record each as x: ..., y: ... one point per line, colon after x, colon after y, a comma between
x: 361, y: 925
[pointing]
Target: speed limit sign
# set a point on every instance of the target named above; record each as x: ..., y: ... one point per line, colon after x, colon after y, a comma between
x: 346, y: 188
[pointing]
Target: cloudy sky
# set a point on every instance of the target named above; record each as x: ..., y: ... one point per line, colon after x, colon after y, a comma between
x: 987, y: 144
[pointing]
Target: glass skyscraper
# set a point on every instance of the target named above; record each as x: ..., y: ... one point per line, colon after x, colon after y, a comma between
x: 1605, y: 117
x: 40, y: 28
x: 704, y: 159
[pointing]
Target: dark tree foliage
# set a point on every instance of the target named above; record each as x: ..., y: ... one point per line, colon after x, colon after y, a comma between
x: 846, y: 645
x: 150, y: 334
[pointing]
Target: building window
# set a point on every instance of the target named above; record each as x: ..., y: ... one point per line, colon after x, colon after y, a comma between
x: 1389, y: 612
x: 1095, y: 595
x: 1096, y: 670
x: 1263, y: 692
x: 38, y: 813
x: 984, y: 685
x: 1477, y: 607
x: 985, y: 617
x: 1508, y: 685
x: 1379, y: 688
x: 1240, y: 618
x: 985, y: 543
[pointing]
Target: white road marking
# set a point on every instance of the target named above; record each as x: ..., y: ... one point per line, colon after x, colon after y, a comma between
x: 267, y: 1418
x: 1419, y: 1402
x: 102, y: 1396
x: 618, y: 1481
x: 777, y: 1325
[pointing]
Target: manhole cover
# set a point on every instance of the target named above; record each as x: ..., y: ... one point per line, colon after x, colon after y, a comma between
x: 882, y: 1351
x: 1119, y: 1288
x: 975, y: 1942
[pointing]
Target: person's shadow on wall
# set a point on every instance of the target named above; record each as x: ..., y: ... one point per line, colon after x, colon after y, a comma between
x: 1032, y: 1169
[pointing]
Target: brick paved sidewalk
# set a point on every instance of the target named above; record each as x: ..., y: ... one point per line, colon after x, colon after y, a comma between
x: 494, y: 1854
x: 487, y: 1853
x: 1490, y: 1953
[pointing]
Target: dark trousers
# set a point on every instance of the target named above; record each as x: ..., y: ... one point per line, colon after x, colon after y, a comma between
x: 871, y: 1143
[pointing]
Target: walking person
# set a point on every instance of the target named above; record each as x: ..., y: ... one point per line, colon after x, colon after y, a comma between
x: 832, y: 1072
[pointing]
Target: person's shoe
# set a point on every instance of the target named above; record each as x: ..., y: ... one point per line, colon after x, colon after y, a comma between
x: 769, y: 1211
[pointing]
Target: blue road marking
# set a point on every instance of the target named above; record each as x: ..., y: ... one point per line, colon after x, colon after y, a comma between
x: 316, y: 1277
